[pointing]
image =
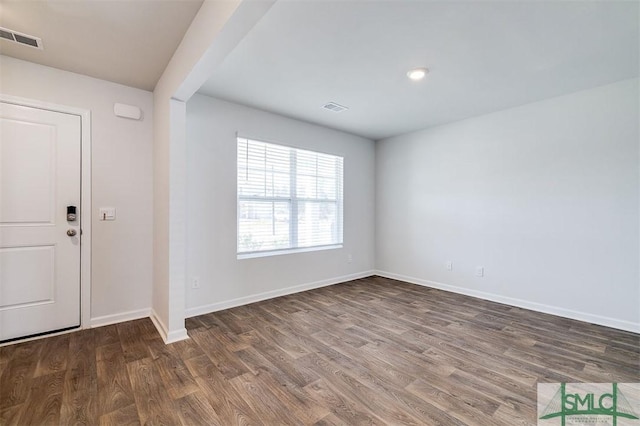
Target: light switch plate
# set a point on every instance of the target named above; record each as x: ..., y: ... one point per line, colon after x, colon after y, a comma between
x: 107, y: 213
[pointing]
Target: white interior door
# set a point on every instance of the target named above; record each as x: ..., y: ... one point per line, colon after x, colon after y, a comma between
x: 39, y: 261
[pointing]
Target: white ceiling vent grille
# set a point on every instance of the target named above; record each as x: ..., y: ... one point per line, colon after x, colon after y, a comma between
x: 334, y: 107
x: 21, y: 38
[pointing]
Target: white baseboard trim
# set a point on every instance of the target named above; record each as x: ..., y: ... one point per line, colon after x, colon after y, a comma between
x: 119, y: 317
x: 245, y: 300
x: 168, y: 337
x: 176, y: 336
x: 520, y: 303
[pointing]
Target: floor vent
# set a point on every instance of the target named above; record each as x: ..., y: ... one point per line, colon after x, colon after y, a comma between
x: 334, y: 107
x: 20, y: 38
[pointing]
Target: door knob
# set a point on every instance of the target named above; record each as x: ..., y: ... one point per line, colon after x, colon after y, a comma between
x: 71, y: 232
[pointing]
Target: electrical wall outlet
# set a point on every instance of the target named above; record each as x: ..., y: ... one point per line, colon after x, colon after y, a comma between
x: 195, y: 283
x: 479, y: 271
x: 349, y: 258
x: 449, y: 266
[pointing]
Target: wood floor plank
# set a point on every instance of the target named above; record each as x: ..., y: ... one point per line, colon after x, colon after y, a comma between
x: 369, y: 351
x: 17, y: 375
x: 194, y: 409
x: 227, y: 403
x: 259, y: 394
x: 284, y: 384
x: 226, y: 362
x: 147, y: 330
x: 45, y: 400
x: 193, y: 323
x: 499, y: 389
x: 175, y: 376
x: 285, y: 363
x: 15, y: 384
x: 133, y: 347
x: 106, y: 335
x: 187, y: 349
x: 54, y: 354
x: 341, y: 406
x: 152, y: 401
x: 114, y: 387
x: 10, y: 415
x: 387, y: 388
x: 468, y: 408
x: 3, y: 365
x: 6, y: 352
x: 233, y: 342
x: 290, y: 346
x: 125, y: 416
x: 234, y: 324
x: 358, y: 391
x: 330, y: 420
x: 79, y: 398
x: 277, y: 381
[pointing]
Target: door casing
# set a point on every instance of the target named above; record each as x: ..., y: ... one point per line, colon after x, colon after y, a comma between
x: 85, y: 196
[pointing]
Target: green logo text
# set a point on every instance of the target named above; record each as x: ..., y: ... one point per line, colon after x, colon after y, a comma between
x: 588, y: 404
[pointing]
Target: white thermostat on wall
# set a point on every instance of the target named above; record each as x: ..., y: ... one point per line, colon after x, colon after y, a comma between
x: 127, y: 111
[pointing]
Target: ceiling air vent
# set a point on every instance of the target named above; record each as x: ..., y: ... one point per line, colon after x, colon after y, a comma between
x: 332, y: 106
x: 20, y: 38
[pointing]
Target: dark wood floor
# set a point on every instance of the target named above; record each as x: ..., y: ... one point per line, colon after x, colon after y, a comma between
x: 371, y: 351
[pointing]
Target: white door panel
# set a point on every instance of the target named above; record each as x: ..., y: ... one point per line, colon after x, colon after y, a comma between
x: 39, y: 262
x: 38, y: 283
x: 28, y: 172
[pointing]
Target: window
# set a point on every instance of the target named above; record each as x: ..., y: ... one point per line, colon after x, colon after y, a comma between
x: 287, y: 198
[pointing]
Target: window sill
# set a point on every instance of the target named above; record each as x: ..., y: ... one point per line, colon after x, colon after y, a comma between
x: 286, y: 251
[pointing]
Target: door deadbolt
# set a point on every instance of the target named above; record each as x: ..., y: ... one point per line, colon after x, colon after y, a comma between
x: 71, y: 232
x: 71, y: 213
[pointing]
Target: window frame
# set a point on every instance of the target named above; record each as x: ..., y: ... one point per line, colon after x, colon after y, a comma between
x: 294, y: 202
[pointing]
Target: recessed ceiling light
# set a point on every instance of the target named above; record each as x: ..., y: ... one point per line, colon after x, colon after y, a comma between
x: 417, y: 74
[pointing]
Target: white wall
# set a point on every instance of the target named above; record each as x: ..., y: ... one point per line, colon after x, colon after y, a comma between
x: 215, y: 31
x: 211, y: 207
x: 545, y: 196
x: 121, y: 178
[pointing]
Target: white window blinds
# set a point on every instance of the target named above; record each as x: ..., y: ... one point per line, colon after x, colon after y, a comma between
x: 287, y: 198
